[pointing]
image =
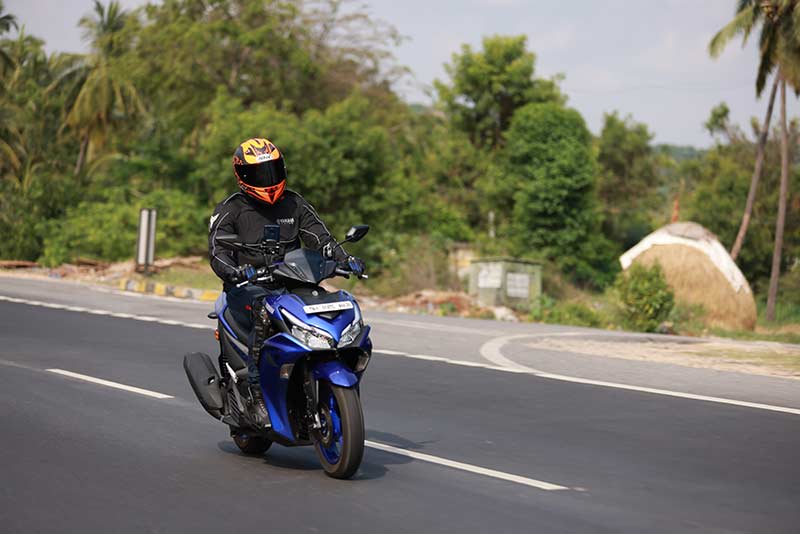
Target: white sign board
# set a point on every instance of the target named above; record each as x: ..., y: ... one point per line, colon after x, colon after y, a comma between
x: 518, y: 285
x: 490, y: 276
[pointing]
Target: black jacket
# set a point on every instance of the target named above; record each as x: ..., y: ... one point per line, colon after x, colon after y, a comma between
x: 246, y: 217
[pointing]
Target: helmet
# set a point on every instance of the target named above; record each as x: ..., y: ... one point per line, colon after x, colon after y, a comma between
x: 260, y: 170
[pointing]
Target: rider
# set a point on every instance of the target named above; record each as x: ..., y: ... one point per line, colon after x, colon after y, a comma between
x: 263, y: 199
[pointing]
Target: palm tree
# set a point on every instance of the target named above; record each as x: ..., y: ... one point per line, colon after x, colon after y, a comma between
x: 9, y: 136
x: 7, y: 21
x: 779, y: 45
x: 102, y: 91
x: 749, y: 15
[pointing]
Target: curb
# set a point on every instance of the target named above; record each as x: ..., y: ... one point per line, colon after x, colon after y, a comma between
x: 164, y: 290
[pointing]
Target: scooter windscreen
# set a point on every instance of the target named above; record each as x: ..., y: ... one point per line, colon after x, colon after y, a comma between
x: 306, y: 265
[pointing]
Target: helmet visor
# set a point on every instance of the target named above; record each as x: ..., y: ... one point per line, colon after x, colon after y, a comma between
x: 264, y: 174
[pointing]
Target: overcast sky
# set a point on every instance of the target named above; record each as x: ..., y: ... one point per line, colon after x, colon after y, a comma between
x: 644, y: 57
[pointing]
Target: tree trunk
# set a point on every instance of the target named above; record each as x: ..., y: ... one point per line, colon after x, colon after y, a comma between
x: 751, y: 195
x: 82, y: 154
x: 772, y: 297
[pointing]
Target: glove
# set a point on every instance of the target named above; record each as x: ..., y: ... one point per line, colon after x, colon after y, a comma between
x: 356, y: 265
x: 244, y: 272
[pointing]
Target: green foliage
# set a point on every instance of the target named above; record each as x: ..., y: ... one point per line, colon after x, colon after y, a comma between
x: 545, y: 181
x: 152, y: 114
x: 719, y: 182
x: 645, y: 299
x: 568, y: 313
x: 628, y: 180
x: 488, y: 86
x: 688, y: 319
x: 108, y: 229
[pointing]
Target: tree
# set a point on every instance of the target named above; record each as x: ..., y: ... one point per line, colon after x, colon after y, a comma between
x: 7, y: 21
x: 718, y: 180
x: 488, y: 86
x: 627, y: 180
x: 747, y: 18
x: 546, y: 182
x: 779, y: 48
x: 103, y: 91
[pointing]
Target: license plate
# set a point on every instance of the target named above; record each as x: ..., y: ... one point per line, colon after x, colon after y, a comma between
x: 328, y: 307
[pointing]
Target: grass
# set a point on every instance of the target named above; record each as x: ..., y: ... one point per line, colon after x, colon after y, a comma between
x: 198, y: 276
x: 743, y: 335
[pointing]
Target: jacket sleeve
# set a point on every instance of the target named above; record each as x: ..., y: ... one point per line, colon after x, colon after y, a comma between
x: 223, y: 261
x: 314, y: 233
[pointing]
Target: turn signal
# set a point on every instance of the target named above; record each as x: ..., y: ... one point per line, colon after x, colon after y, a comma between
x: 216, y: 334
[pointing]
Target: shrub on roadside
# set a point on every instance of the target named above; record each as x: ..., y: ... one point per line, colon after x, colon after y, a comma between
x: 567, y: 313
x: 643, y: 297
x: 107, y: 229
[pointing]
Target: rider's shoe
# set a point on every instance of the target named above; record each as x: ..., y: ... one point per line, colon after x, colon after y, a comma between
x: 258, y: 411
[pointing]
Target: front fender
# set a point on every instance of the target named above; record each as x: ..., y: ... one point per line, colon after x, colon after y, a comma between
x: 335, y: 372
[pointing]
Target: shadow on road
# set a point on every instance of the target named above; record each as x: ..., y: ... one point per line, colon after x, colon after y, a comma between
x: 374, y: 465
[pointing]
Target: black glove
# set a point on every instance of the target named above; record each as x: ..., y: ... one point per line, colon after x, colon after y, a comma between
x: 244, y: 272
x: 356, y: 265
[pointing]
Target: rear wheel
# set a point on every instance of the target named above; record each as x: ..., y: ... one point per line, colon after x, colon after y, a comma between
x: 340, y: 441
x: 251, y: 444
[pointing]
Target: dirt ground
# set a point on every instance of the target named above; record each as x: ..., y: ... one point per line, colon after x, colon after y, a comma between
x: 753, y: 357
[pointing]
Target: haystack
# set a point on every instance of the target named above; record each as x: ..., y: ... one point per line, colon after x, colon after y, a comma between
x: 700, y: 271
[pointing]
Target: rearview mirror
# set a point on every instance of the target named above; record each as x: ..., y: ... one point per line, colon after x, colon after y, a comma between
x: 356, y: 233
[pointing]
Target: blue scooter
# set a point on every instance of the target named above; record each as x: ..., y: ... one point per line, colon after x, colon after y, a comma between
x: 311, y: 364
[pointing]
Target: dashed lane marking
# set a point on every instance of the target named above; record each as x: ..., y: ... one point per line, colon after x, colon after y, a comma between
x: 532, y: 482
x: 108, y: 383
x: 478, y: 470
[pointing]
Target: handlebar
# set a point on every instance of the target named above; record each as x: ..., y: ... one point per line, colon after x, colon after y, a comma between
x: 346, y: 274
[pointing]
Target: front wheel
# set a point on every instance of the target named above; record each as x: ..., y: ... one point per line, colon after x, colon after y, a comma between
x: 340, y: 441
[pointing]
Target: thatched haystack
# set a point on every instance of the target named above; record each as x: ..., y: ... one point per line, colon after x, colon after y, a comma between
x: 700, y: 271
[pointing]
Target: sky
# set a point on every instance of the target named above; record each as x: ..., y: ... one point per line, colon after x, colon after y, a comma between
x: 646, y: 58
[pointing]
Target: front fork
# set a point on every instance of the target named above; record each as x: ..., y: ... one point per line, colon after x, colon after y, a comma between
x: 311, y: 390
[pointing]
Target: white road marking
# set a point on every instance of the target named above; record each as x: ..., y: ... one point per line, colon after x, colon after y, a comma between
x: 119, y: 315
x: 116, y: 385
x: 521, y: 369
x: 539, y: 484
x: 668, y: 393
x: 516, y: 368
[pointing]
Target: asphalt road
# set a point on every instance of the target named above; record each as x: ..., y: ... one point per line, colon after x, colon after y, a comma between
x: 82, y: 457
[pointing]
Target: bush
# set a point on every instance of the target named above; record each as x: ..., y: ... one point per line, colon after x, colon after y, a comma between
x: 644, y: 298
x: 568, y: 313
x: 107, y: 229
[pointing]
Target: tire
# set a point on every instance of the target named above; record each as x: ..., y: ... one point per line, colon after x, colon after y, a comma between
x: 251, y: 444
x: 340, y: 444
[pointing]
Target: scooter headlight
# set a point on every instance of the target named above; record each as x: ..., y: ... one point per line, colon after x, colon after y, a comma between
x: 310, y: 336
x: 353, y: 329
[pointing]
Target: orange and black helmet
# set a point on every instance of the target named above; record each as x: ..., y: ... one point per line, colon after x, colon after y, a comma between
x: 260, y: 170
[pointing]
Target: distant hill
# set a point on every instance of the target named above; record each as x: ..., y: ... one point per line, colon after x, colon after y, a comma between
x: 680, y: 152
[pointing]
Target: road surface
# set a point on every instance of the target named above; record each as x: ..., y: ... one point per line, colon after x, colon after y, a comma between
x: 469, y: 431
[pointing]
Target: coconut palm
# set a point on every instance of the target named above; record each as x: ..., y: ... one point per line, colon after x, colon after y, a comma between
x: 749, y: 14
x: 779, y: 45
x: 7, y: 21
x: 9, y: 136
x: 102, y: 92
